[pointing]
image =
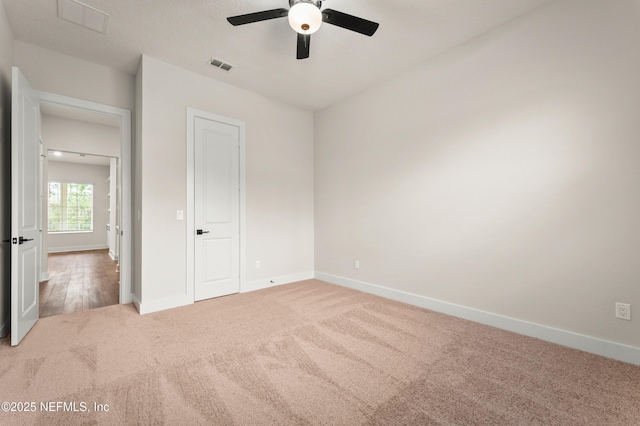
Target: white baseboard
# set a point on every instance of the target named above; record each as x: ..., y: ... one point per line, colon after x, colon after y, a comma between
x: 274, y: 281
x: 44, y: 276
x: 76, y: 248
x: 5, y: 329
x: 113, y: 256
x: 174, y: 302
x: 584, y: 343
x: 161, y: 304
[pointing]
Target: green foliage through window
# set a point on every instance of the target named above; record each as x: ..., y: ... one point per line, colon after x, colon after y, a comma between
x: 70, y: 207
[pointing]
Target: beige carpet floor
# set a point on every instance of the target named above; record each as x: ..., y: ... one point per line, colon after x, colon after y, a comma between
x: 308, y: 353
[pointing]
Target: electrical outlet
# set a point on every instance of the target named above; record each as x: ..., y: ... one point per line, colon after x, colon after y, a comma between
x: 623, y: 311
x: 257, y: 264
x: 356, y: 264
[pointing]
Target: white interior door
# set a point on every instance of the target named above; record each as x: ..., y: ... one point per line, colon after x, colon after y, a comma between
x: 25, y: 192
x: 217, y: 209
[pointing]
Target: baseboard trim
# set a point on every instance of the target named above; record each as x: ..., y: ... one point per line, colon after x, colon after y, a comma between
x: 175, y: 302
x: 582, y: 342
x: 275, y: 281
x: 113, y: 256
x: 5, y: 329
x: 76, y: 248
x: 44, y: 276
x: 161, y: 304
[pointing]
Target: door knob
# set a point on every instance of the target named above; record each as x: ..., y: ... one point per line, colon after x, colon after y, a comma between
x: 200, y: 232
x: 24, y: 240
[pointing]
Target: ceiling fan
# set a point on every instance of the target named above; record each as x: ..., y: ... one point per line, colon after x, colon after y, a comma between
x: 305, y: 18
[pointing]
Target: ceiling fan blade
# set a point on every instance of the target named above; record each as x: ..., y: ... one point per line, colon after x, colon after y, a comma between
x: 349, y: 22
x: 304, y: 41
x: 257, y: 16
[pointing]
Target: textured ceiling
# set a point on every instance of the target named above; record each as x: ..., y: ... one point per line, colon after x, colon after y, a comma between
x: 188, y: 33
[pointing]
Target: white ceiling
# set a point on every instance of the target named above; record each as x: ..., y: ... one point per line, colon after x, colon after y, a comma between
x: 189, y: 33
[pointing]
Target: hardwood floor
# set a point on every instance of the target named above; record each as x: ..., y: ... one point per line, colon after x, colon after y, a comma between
x: 79, y: 280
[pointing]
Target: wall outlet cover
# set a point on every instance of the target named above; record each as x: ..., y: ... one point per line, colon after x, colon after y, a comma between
x: 623, y: 311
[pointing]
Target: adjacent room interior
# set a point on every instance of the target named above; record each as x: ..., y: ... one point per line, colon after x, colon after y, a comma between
x: 433, y: 224
x: 80, y: 207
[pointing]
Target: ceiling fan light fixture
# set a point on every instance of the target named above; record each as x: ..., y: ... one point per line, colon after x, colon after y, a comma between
x: 305, y: 18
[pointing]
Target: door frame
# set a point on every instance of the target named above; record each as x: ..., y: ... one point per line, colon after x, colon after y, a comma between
x: 192, y: 113
x: 126, y: 212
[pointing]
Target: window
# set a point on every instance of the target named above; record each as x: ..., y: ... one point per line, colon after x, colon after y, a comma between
x: 70, y: 207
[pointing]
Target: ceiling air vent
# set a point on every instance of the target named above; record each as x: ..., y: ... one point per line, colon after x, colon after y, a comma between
x: 219, y: 64
x: 82, y: 14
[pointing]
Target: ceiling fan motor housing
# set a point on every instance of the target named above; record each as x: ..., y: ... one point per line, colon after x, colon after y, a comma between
x: 305, y: 16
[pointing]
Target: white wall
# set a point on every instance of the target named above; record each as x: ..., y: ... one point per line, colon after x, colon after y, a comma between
x: 63, y: 134
x: 503, y: 175
x: 65, y: 75
x: 83, y: 173
x: 6, y: 61
x: 279, y: 163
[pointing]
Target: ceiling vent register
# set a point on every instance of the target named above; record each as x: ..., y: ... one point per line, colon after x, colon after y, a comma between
x: 219, y: 64
x: 84, y: 15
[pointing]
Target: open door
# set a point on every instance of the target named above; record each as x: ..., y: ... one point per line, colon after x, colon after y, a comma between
x: 25, y: 215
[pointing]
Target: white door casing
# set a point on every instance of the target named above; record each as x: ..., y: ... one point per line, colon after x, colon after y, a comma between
x: 25, y: 207
x: 125, y: 239
x: 217, y: 209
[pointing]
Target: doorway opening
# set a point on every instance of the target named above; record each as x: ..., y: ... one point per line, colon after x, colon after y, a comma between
x: 80, y: 216
x: 85, y: 143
